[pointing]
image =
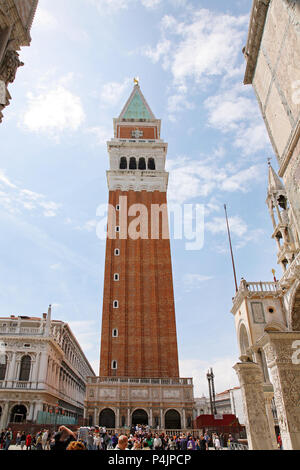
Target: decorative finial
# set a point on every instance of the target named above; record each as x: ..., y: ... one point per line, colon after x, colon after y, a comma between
x: 136, y: 80
x: 274, y: 272
x: 269, y: 161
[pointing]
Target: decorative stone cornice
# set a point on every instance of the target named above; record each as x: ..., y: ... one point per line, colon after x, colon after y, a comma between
x: 137, y: 180
x: 294, y: 139
x: 256, y: 29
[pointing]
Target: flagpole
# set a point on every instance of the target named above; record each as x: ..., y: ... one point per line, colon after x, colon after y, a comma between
x: 230, y: 244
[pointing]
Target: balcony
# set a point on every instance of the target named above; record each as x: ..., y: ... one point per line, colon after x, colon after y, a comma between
x: 253, y: 289
x: 140, y: 381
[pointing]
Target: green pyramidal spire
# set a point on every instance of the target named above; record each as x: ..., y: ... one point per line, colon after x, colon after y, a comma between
x: 137, y: 108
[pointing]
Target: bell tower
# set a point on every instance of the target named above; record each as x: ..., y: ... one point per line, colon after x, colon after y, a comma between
x: 138, y: 322
x: 139, y: 380
x: 283, y: 222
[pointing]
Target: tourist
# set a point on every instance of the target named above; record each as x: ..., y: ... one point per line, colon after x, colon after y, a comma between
x: 38, y: 443
x: 145, y: 446
x: 28, y: 442
x: 18, y: 438
x: 191, y: 444
x: 157, y: 444
x: 203, y: 443
x: 90, y: 441
x: 217, y: 443
x: 22, y: 440
x: 76, y: 445
x: 63, y: 438
x: 8, y: 436
x: 172, y: 444
x: 122, y: 443
x: 44, y: 439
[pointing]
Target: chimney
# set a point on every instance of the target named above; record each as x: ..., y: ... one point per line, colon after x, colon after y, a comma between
x: 48, y: 322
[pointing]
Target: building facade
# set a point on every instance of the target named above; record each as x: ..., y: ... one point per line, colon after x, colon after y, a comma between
x: 267, y: 320
x: 272, y: 54
x: 267, y: 314
x: 16, y: 17
x: 43, y: 372
x: 139, y: 379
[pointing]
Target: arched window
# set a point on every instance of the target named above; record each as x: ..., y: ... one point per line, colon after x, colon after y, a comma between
x: 114, y: 365
x: 244, y: 342
x: 25, y: 369
x: 123, y: 163
x: 172, y: 420
x: 18, y: 414
x: 107, y: 418
x: 3, y: 366
x: 132, y: 163
x: 115, y: 333
x: 142, y: 164
x: 116, y: 304
x: 151, y: 164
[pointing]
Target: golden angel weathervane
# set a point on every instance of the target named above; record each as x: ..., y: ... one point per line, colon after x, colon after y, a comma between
x: 136, y: 80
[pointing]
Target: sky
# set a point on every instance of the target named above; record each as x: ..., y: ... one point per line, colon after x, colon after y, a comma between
x: 78, y: 74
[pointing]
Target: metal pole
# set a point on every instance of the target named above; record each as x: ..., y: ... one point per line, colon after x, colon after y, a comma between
x: 230, y: 244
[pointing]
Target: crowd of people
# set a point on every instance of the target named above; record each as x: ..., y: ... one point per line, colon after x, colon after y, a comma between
x: 98, y: 438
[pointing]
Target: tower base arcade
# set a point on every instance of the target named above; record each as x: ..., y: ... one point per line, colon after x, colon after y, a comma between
x: 131, y: 401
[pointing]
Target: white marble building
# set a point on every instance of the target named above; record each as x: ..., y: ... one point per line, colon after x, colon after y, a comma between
x: 42, y: 371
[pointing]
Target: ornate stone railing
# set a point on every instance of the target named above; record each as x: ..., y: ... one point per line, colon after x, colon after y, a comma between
x: 262, y: 286
x: 141, y: 381
x: 247, y: 289
x: 292, y: 272
x: 22, y: 330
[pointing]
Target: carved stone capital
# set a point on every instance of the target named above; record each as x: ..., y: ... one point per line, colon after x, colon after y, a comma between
x: 9, y: 66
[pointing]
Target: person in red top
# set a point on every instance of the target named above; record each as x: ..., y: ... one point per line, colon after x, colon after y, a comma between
x: 28, y: 442
x: 279, y: 441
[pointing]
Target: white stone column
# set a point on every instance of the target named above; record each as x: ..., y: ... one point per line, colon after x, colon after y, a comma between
x: 268, y: 404
x: 38, y: 407
x: 128, y: 417
x: 4, y: 417
x: 161, y: 418
x: 117, y: 417
x: 35, y: 370
x: 43, y: 369
x: 183, y: 424
x: 31, y: 411
x: 257, y: 425
x: 11, y: 376
x: 283, y: 360
x: 150, y: 417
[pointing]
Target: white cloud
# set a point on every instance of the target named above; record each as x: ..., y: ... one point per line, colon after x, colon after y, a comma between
x: 233, y: 111
x: 151, y: 3
x: 193, y: 281
x: 112, y: 92
x: 44, y: 20
x: 207, y: 45
x: 53, y: 112
x: 225, y: 376
x: 102, y: 134
x: 190, y: 179
x: 15, y: 199
x: 162, y: 48
x: 86, y: 332
x: 218, y: 225
x: 88, y: 226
